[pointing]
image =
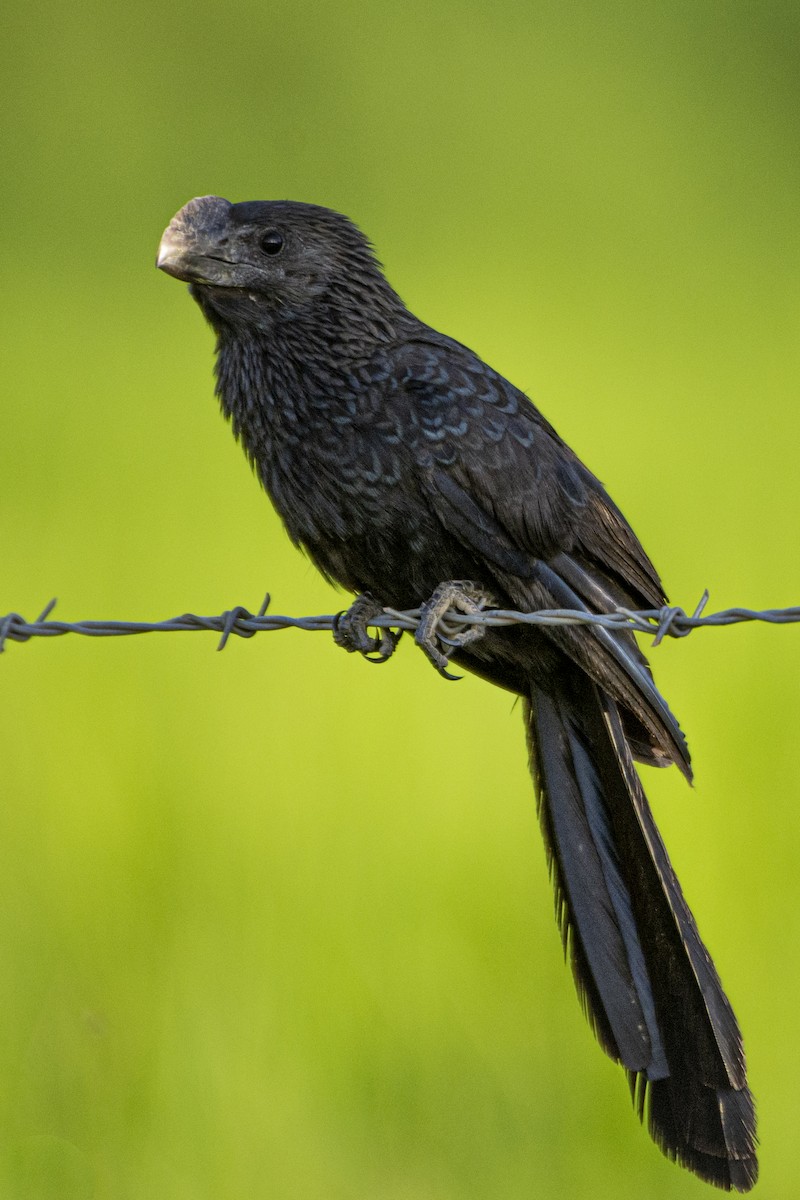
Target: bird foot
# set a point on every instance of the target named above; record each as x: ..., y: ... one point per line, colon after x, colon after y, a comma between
x: 351, y: 633
x: 433, y: 634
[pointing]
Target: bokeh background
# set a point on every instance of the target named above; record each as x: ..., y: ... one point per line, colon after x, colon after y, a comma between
x: 274, y: 923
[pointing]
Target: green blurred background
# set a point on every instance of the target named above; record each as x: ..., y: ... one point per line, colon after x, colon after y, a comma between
x: 274, y: 923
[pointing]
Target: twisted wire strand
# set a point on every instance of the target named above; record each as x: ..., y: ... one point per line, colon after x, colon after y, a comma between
x: 671, y: 621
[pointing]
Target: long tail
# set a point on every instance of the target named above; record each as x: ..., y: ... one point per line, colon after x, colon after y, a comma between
x: 647, y: 982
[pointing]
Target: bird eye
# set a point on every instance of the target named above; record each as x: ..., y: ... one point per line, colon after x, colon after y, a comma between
x: 272, y: 242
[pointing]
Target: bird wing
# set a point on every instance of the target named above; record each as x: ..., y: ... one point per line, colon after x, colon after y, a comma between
x: 503, y: 483
x: 478, y: 431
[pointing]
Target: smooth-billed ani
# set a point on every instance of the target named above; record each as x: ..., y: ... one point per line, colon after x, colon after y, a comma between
x: 400, y: 461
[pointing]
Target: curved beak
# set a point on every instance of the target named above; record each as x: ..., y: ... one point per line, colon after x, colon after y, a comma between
x: 194, y: 244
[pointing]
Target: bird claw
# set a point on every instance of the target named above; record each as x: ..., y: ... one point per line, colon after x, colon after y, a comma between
x: 351, y: 633
x: 462, y: 595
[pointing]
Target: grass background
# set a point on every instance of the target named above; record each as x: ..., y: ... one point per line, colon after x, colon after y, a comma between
x: 272, y: 923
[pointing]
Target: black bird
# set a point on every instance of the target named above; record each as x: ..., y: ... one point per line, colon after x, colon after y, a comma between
x: 405, y: 466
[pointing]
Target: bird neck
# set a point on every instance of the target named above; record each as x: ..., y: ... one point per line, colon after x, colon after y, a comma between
x: 294, y: 355
x: 276, y: 379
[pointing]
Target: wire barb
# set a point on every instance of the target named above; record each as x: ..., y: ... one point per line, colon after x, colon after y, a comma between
x: 669, y: 621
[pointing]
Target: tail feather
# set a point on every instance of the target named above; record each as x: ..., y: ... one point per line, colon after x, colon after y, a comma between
x: 593, y: 898
x: 718, y: 1125
x: 648, y: 984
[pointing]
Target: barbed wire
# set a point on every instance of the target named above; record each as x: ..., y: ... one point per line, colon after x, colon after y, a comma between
x: 670, y: 621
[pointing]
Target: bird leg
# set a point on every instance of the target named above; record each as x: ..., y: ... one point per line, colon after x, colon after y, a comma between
x: 351, y: 633
x: 432, y: 632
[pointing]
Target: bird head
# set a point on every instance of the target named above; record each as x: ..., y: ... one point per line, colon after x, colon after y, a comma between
x: 245, y: 261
